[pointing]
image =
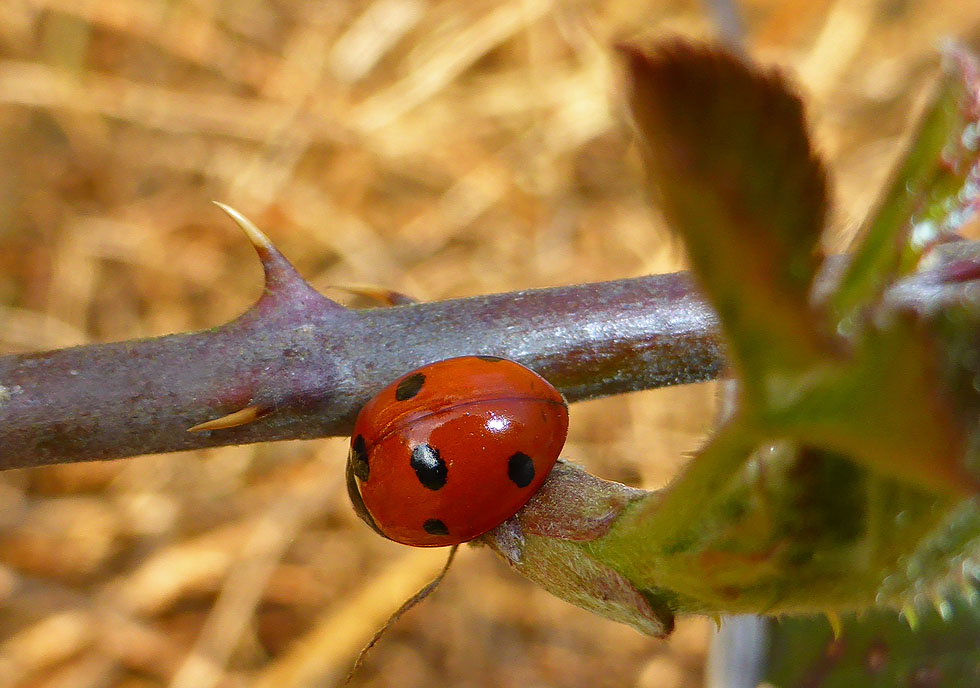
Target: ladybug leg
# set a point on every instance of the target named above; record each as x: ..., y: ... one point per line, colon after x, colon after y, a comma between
x: 235, y: 419
x: 397, y: 614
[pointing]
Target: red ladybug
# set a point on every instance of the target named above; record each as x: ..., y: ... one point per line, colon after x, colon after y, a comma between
x: 453, y: 449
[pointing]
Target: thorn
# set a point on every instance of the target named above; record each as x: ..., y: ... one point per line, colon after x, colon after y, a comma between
x: 968, y: 590
x: 407, y: 605
x: 386, y: 297
x: 254, y: 234
x: 943, y: 607
x: 278, y: 270
x: 281, y: 278
x: 232, y: 420
x: 835, y: 624
x: 911, y: 616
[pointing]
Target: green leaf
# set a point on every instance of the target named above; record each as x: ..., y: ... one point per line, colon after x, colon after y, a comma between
x: 731, y: 166
x: 887, y: 409
x: 795, y: 530
x: 934, y: 189
x: 879, y: 649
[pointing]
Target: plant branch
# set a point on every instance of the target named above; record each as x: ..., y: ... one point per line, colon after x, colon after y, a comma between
x: 305, y: 364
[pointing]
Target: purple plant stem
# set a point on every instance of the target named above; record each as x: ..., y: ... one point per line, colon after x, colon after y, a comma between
x: 310, y: 363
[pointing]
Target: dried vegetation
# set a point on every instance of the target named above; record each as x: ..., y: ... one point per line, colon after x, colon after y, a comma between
x: 436, y: 148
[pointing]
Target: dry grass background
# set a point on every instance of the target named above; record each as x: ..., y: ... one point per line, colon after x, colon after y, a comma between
x: 437, y: 148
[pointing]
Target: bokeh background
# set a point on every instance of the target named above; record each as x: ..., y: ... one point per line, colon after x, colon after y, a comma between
x: 436, y: 148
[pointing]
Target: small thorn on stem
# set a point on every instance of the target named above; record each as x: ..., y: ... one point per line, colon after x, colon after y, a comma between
x: 835, y: 624
x: 386, y: 297
x: 942, y: 606
x: 232, y: 420
x: 911, y: 616
x: 408, y: 604
x: 968, y: 589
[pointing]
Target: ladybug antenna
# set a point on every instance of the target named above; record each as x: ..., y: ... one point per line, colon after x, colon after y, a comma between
x: 397, y: 614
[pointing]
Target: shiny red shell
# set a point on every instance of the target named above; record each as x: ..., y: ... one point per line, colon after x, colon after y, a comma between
x: 453, y: 449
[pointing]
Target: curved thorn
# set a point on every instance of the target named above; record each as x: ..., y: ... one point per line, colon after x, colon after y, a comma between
x: 232, y: 420
x: 282, y: 281
x: 254, y: 234
x: 274, y: 264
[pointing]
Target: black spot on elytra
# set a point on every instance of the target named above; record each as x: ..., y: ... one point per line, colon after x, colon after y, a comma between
x: 359, y: 458
x: 520, y: 469
x: 489, y: 359
x: 409, y: 387
x: 434, y: 526
x: 429, y: 466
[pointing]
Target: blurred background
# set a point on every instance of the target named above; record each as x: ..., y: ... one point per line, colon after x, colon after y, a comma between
x: 437, y: 148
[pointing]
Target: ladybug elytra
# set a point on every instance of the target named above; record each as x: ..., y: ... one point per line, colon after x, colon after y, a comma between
x: 453, y: 449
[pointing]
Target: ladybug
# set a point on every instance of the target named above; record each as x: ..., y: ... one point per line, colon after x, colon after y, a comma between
x: 454, y: 449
